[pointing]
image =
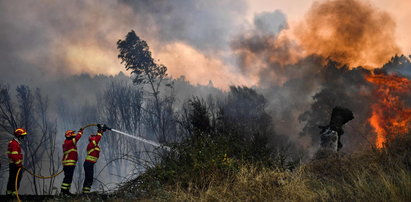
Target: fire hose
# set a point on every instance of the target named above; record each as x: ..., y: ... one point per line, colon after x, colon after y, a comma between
x: 31, y: 173
x: 102, y: 126
x: 39, y: 176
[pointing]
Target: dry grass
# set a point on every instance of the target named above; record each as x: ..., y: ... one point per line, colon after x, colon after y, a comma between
x: 374, y: 175
x: 359, y: 177
x: 250, y: 184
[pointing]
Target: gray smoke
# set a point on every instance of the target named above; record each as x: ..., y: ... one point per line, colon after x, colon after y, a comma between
x: 205, y: 24
x: 302, y: 90
x: 46, y: 39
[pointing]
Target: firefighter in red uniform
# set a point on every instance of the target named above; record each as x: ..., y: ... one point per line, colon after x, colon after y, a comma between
x: 15, y: 160
x: 93, y: 153
x: 70, y: 157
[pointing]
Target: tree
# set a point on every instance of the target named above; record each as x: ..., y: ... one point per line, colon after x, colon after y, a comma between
x: 30, y: 111
x: 136, y: 56
x: 245, y: 121
x: 121, y: 110
x: 8, y: 119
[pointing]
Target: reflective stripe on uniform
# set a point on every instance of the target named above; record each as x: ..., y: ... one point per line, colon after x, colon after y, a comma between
x: 13, y: 152
x: 11, y: 192
x: 86, y: 189
x: 94, y: 142
x: 15, y: 162
x: 94, y: 149
x: 65, y: 186
x: 70, y: 150
x: 69, y: 162
x: 66, y: 155
x: 91, y: 158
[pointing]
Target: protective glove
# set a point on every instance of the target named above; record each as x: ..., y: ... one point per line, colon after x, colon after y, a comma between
x: 105, y: 127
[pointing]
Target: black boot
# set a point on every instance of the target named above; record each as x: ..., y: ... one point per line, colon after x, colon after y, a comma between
x: 66, y: 192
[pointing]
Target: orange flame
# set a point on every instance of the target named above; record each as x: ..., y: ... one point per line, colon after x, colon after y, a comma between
x: 390, y: 116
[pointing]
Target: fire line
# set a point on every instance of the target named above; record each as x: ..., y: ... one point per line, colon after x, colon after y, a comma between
x: 390, y: 116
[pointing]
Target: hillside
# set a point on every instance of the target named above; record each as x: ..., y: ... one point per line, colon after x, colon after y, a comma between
x: 372, y: 175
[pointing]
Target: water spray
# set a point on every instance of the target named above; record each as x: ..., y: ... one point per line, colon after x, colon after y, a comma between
x: 137, y: 138
x: 105, y: 127
x: 141, y: 139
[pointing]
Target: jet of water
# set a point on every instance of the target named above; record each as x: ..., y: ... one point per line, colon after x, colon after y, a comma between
x: 140, y: 139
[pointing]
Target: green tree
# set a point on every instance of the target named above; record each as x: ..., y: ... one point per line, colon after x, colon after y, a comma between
x: 136, y: 56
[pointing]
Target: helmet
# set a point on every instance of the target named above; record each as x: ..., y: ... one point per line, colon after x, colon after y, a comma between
x: 70, y: 133
x: 20, y: 132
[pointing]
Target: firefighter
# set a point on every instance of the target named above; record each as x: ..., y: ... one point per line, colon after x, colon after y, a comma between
x: 70, y: 157
x: 15, y: 155
x: 331, y: 133
x: 93, y: 153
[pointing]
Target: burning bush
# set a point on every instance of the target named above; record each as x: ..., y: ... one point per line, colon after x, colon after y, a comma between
x: 390, y: 115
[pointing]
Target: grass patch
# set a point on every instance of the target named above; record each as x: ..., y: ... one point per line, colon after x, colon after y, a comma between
x: 373, y: 175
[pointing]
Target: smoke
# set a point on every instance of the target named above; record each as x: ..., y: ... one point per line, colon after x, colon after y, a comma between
x: 348, y: 31
x: 204, y: 24
x: 46, y: 39
x: 49, y: 39
x: 306, y: 70
x: 184, y: 60
x: 263, y: 52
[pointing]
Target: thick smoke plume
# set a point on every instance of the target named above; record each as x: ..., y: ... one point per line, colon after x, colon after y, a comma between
x: 350, y: 32
x: 44, y: 39
x: 309, y: 69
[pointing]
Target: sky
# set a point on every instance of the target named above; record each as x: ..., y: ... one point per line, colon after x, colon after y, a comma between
x: 49, y: 39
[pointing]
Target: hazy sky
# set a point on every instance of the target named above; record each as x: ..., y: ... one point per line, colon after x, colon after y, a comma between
x: 43, y: 38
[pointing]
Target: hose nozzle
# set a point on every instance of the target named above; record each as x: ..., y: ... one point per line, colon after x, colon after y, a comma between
x: 103, y: 127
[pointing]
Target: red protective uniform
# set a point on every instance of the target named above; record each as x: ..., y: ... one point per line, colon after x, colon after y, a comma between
x: 93, y: 150
x: 14, y: 153
x: 70, y: 155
